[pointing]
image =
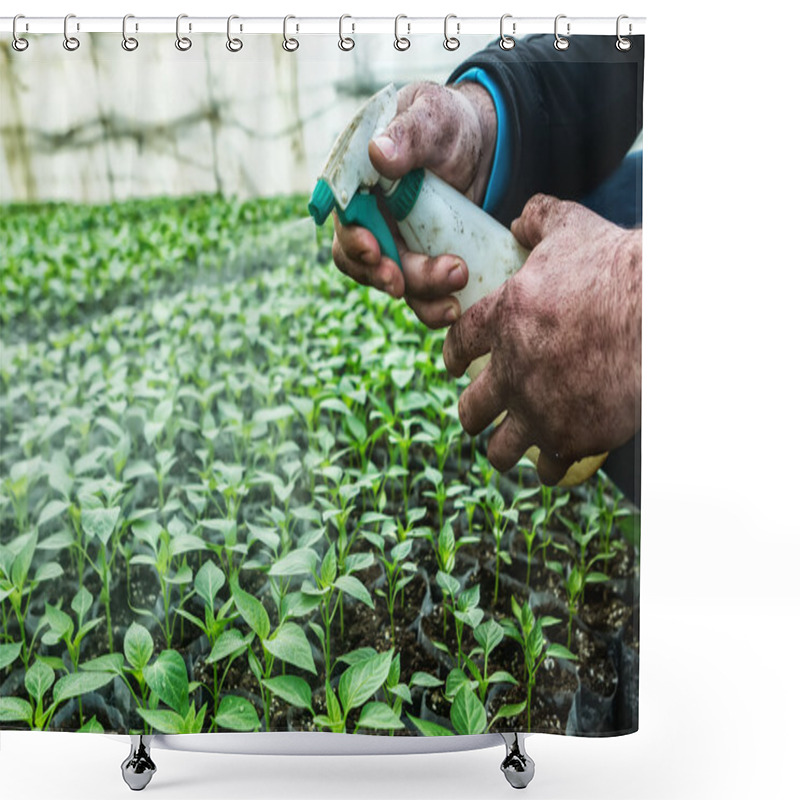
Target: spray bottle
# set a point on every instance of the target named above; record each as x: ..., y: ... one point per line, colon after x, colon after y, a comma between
x: 432, y: 216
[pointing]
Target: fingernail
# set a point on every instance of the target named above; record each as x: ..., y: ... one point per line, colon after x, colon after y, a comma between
x: 386, y: 146
x: 451, y: 314
x: 388, y: 287
x: 455, y: 277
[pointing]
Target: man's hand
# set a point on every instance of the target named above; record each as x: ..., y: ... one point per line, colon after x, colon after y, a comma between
x: 451, y: 131
x: 565, y: 341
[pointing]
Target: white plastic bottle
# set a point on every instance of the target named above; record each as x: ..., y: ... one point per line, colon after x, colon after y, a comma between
x: 442, y: 220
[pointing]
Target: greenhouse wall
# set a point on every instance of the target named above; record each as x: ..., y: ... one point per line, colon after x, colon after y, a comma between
x: 106, y: 116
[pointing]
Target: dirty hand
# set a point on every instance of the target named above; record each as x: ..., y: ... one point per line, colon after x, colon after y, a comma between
x: 451, y: 130
x: 565, y: 341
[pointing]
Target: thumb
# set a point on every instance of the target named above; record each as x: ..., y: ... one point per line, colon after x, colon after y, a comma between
x: 551, y: 469
x: 542, y: 213
x: 403, y: 146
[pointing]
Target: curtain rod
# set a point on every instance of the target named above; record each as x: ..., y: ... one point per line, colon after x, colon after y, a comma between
x: 302, y: 25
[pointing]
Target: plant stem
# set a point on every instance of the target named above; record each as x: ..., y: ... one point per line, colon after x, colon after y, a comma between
x: 530, y: 693
x: 496, y: 572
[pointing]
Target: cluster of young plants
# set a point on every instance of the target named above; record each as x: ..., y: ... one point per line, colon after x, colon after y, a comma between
x: 217, y: 455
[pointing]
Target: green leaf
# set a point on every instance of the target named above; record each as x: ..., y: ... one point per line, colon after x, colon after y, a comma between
x: 230, y: 644
x: 163, y: 721
x: 488, y: 635
x: 167, y: 677
x: 48, y: 572
x: 82, y: 602
x: 272, y: 414
x: 401, y: 377
x: 467, y: 712
x: 427, y: 728
x: 147, y: 531
x: 448, y: 584
x: 138, y: 646
x: 424, y: 679
x: 297, y: 562
x: 237, y: 714
x: 23, y: 559
x: 9, y: 653
x: 79, y: 683
x: 501, y: 676
x: 289, y: 644
x: 351, y: 585
x: 402, y: 550
x: 251, y: 610
x: 58, y: 541
x: 574, y: 582
x: 110, y: 662
x: 327, y: 570
x: 402, y: 691
x: 357, y: 655
x: 360, y: 682
x: 91, y: 726
x: 15, y: 709
x: 138, y: 469
x: 379, y: 716
x: 100, y: 522
x: 208, y: 581
x: 292, y: 689
x: 61, y: 624
x: 510, y: 710
x: 38, y: 679
x: 53, y: 509
x: 559, y: 651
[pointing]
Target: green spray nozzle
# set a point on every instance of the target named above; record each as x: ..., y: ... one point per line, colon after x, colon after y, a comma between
x: 362, y: 210
x: 321, y: 203
x: 349, y: 176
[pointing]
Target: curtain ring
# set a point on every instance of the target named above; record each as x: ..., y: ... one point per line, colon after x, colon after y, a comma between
x: 19, y: 44
x: 401, y: 43
x: 507, y: 42
x: 233, y: 44
x: 451, y: 42
x: 129, y: 43
x: 345, y: 42
x: 71, y: 43
x: 560, y: 42
x: 289, y: 44
x: 183, y: 43
x: 623, y: 44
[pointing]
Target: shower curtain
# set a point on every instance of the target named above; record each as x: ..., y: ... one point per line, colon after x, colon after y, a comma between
x: 236, y: 492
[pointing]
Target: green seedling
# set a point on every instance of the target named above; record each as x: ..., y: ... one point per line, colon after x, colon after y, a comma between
x: 398, y: 570
x: 327, y: 591
x: 609, y: 513
x: 39, y: 679
x: 138, y: 650
x: 529, y: 633
x: 286, y: 642
x: 208, y: 581
x: 499, y: 517
x: 357, y: 687
x: 101, y: 522
x: 463, y: 605
x: 488, y: 636
x: 467, y: 711
x: 17, y: 585
x: 168, y: 548
x: 62, y: 628
x: 168, y: 682
x: 575, y: 580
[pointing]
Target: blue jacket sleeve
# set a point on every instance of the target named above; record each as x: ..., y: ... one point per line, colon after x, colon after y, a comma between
x: 570, y: 116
